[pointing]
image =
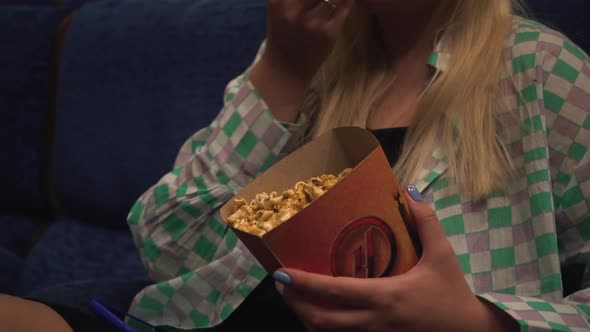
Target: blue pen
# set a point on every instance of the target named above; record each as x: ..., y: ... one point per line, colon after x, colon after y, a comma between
x: 106, y: 313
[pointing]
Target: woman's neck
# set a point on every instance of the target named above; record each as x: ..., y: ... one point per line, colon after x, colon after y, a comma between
x: 410, y: 34
x: 409, y: 38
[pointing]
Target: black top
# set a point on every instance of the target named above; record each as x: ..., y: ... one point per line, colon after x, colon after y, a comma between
x: 265, y: 299
x: 391, y: 140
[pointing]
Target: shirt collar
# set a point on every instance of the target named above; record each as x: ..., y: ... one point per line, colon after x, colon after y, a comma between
x: 436, y: 165
x: 440, y: 57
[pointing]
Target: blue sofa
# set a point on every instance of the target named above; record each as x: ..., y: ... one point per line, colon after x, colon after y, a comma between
x: 132, y: 81
x: 25, y: 63
x: 98, y: 97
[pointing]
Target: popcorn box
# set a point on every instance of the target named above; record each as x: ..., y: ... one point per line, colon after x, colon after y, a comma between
x: 361, y: 227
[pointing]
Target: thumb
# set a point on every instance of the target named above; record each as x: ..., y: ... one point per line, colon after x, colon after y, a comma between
x: 428, y: 227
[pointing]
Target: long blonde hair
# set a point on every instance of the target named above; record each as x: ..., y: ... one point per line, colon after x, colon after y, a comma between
x: 458, y: 111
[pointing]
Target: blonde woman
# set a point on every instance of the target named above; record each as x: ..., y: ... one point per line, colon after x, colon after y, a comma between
x: 493, y: 114
x: 484, y: 117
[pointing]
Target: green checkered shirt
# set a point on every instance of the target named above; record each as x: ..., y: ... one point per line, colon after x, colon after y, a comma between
x: 511, y: 246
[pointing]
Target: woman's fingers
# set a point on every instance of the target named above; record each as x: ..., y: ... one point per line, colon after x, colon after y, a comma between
x: 341, y: 13
x: 323, y: 9
x: 351, y: 292
x: 322, y: 318
x: 432, y: 236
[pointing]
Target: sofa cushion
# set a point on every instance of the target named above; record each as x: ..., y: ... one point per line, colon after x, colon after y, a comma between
x: 48, y: 3
x: 15, y: 240
x: 118, y: 293
x: 11, y: 266
x: 17, y: 233
x: 73, y: 3
x: 137, y: 79
x: 26, y: 36
x: 71, y: 252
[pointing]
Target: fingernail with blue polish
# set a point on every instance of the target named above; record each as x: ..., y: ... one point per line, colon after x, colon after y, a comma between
x: 415, y: 193
x: 282, y: 277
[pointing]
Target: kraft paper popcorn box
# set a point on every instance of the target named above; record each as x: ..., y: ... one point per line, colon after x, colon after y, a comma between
x: 359, y: 228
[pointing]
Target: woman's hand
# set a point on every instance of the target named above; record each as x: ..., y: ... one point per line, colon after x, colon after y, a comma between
x: 301, y: 35
x: 433, y: 296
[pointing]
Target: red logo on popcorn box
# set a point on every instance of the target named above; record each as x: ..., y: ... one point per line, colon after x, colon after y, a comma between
x: 364, y: 249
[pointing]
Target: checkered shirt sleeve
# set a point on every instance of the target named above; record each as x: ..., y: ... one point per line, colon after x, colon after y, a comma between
x: 191, y: 254
x: 563, y: 70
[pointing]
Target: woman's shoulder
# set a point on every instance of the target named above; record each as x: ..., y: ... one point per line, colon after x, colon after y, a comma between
x: 550, y: 79
x: 533, y: 44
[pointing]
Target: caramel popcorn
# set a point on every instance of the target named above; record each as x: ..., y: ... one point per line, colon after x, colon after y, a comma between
x: 267, y: 211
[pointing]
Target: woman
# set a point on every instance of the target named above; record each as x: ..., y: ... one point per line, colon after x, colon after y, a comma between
x: 492, y: 111
x: 497, y: 132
